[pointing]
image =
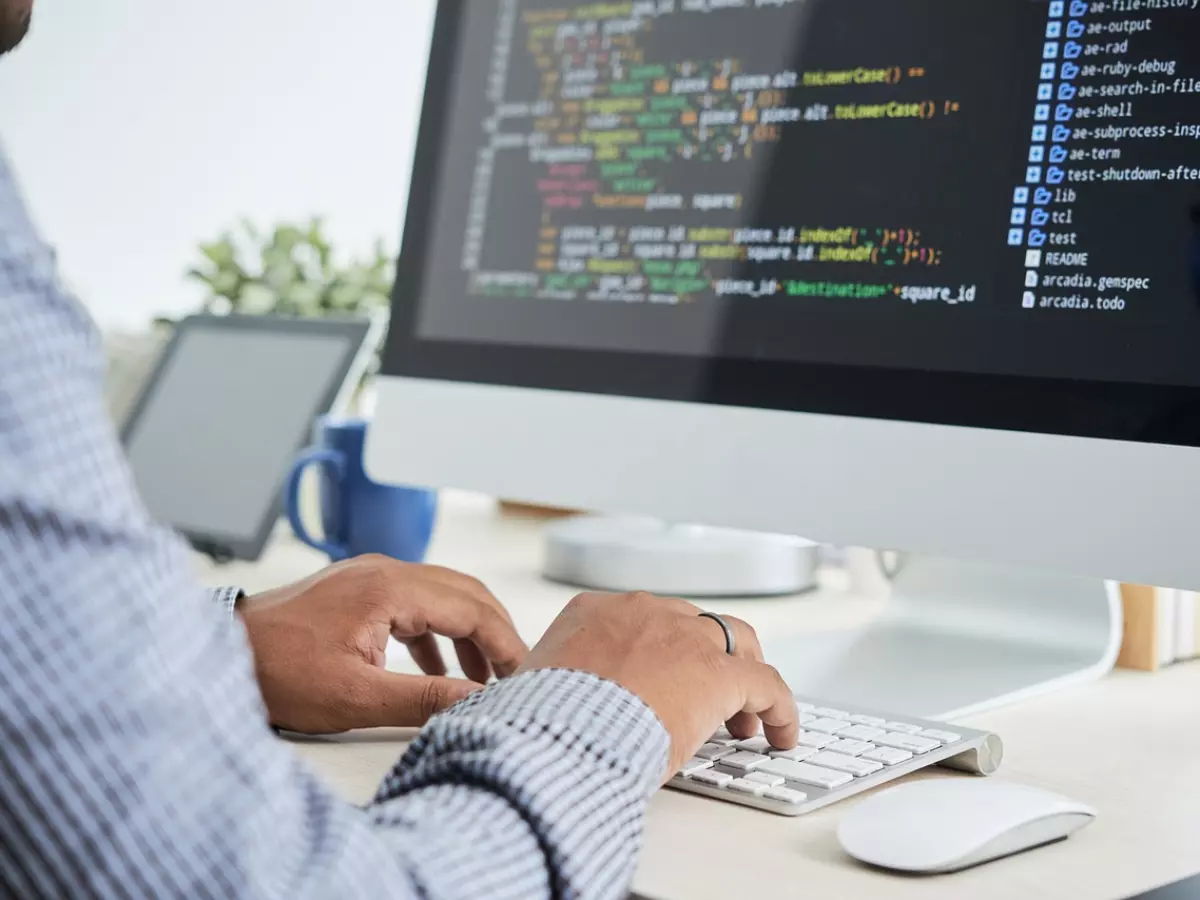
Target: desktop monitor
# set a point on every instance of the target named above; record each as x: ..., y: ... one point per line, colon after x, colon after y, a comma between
x: 914, y: 274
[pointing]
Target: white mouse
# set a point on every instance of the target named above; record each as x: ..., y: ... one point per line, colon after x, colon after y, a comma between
x: 943, y: 825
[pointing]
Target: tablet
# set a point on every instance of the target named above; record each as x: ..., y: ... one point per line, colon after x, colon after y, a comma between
x: 213, y: 434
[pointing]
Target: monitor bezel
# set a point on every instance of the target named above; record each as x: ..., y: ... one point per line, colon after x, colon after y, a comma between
x: 1122, y: 411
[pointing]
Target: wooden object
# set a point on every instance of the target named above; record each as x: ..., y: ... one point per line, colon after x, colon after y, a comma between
x: 532, y: 511
x: 1139, y: 649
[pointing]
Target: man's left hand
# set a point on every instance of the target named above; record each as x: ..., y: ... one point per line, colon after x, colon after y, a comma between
x: 320, y: 645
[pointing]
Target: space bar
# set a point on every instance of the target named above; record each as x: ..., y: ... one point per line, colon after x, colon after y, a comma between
x: 804, y: 773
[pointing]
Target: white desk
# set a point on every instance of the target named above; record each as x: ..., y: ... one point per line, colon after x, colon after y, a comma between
x: 1141, y: 767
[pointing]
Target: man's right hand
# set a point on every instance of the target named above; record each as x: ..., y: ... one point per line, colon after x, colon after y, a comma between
x: 663, y: 651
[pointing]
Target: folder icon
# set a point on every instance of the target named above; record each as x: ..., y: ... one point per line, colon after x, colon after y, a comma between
x: 1042, y: 196
x: 1037, y: 238
x: 1073, y: 50
x: 1040, y: 217
x: 1058, y: 154
x: 1070, y: 71
x: 1074, y: 29
x: 1067, y: 91
x: 1061, y: 133
x: 1055, y: 175
x: 1064, y: 113
x: 1079, y: 9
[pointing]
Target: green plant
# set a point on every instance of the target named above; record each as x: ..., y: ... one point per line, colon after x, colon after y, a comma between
x: 291, y: 270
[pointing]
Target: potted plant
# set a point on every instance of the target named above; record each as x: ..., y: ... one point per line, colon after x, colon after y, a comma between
x: 293, y: 270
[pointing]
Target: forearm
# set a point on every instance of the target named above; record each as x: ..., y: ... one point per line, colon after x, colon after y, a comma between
x: 136, y: 752
x: 135, y: 757
x: 575, y: 757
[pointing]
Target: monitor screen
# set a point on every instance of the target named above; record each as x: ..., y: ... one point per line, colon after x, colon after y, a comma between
x: 843, y: 199
x: 215, y: 434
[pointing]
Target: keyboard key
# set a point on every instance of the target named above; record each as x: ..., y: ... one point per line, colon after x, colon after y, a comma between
x: 859, y: 768
x: 889, y: 756
x: 799, y: 754
x: 805, y: 718
x: 862, y: 732
x: 745, y: 761
x: 902, y: 728
x: 723, y: 738
x: 714, y: 752
x: 755, y: 745
x: 830, y: 713
x: 946, y: 737
x: 716, y: 779
x: 804, y: 773
x: 742, y: 786
x: 873, y: 721
x: 850, y: 748
x: 694, y: 765
x: 765, y: 779
x: 804, y: 707
x: 811, y: 739
x: 828, y: 726
x: 907, y: 742
x: 786, y: 795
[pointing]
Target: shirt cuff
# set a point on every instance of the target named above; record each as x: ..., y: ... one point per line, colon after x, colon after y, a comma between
x: 227, y: 597
x: 578, y: 758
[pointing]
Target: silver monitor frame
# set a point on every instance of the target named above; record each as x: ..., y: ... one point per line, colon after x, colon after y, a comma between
x: 1083, y: 506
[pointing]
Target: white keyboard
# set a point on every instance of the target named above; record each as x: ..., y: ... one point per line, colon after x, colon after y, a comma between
x: 843, y: 751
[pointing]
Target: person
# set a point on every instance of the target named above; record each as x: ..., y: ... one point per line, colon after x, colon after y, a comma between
x: 136, y: 754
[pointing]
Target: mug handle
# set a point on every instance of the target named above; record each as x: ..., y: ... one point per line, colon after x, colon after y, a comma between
x: 337, y: 463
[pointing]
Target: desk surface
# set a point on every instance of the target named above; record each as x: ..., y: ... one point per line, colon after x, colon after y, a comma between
x: 1129, y: 745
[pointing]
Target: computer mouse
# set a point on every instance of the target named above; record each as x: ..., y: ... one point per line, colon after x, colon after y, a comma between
x: 944, y: 825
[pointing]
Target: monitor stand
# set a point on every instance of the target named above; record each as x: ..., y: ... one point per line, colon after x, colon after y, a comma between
x: 628, y: 554
x: 955, y: 639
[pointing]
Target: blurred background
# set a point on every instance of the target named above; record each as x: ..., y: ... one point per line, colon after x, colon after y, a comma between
x: 147, y: 135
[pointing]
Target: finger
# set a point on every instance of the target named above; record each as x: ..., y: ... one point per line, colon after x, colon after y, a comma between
x: 459, y: 616
x: 468, y: 585
x: 744, y: 726
x: 474, y: 664
x: 426, y: 654
x: 390, y: 700
x: 748, y: 645
x: 766, y: 695
x: 745, y: 639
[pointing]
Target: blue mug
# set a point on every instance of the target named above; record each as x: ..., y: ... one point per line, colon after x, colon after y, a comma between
x: 359, y: 516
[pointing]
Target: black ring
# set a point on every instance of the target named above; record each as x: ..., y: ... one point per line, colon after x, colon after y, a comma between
x: 730, y: 638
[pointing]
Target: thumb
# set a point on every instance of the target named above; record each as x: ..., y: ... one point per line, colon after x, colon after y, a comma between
x: 409, y: 701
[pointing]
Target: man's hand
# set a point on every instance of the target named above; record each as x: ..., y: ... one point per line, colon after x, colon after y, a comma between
x: 320, y: 645
x: 675, y: 661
